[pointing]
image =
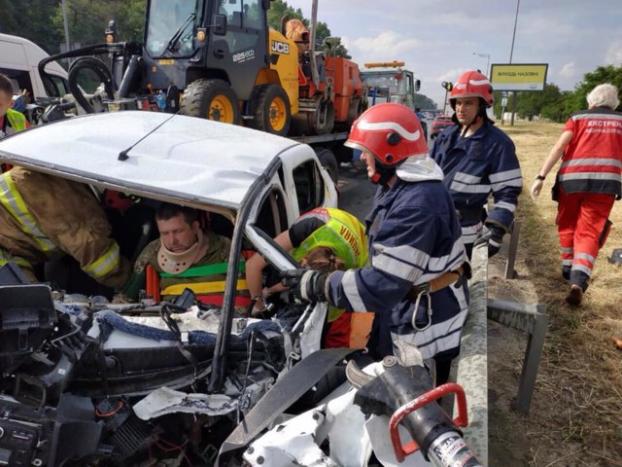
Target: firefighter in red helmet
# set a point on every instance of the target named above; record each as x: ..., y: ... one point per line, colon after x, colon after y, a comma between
x: 415, y: 248
x: 478, y: 159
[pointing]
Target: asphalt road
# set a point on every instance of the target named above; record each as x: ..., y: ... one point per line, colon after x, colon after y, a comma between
x: 356, y: 193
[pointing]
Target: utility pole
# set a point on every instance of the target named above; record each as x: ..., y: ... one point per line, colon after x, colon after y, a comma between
x: 511, y: 54
x: 66, y: 24
x: 487, y: 57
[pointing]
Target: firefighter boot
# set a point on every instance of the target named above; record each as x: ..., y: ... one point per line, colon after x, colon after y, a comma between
x: 578, y: 285
x: 575, y: 295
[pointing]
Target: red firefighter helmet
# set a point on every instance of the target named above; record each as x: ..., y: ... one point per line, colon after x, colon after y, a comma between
x: 472, y: 84
x: 391, y: 132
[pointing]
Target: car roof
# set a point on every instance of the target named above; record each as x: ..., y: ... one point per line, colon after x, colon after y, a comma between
x: 181, y: 159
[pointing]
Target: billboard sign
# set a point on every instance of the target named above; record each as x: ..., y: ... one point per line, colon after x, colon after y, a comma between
x: 518, y: 76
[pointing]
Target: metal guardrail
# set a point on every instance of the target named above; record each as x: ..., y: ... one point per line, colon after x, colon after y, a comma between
x: 472, y: 368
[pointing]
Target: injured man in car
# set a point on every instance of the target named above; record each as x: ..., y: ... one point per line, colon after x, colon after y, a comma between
x: 185, y: 256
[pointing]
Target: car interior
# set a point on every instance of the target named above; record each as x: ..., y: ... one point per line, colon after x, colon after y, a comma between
x: 133, y: 227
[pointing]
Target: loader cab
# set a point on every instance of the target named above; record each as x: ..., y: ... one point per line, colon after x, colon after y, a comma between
x: 187, y: 40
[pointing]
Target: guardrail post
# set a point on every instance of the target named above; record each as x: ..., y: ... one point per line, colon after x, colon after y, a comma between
x: 533, y: 320
x: 510, y: 272
x: 533, y: 353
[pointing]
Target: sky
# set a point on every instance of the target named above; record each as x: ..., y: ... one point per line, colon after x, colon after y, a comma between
x: 438, y: 39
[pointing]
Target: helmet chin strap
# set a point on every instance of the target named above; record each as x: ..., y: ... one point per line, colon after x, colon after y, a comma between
x: 465, y: 129
x: 481, y: 112
x: 383, y: 174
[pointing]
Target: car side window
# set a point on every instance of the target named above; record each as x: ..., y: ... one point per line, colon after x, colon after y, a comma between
x: 20, y: 80
x: 272, y: 218
x: 309, y: 186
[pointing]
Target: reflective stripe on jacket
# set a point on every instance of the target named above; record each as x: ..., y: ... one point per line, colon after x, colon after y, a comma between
x: 477, y: 166
x: 592, y: 161
x: 206, y: 278
x: 8, y: 258
x: 12, y: 201
x: 206, y: 281
x: 108, y: 262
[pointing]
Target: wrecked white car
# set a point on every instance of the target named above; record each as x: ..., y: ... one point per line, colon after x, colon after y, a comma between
x: 84, y: 381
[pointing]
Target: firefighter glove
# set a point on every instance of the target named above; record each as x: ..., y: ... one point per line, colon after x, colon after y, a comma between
x: 493, y: 237
x: 306, y: 285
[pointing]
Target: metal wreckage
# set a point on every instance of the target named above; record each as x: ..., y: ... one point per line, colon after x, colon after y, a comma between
x: 84, y: 381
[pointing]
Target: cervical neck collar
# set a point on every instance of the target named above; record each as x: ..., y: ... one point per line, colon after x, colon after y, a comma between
x: 178, y: 262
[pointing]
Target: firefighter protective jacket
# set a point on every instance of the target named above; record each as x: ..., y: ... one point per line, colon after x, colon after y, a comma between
x: 42, y: 215
x: 474, y: 167
x: 592, y: 161
x: 414, y: 237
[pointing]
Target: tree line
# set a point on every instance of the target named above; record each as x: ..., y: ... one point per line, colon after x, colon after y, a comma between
x: 557, y: 105
x: 41, y: 21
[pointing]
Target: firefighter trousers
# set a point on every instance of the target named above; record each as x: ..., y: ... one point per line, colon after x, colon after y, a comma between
x: 583, y: 226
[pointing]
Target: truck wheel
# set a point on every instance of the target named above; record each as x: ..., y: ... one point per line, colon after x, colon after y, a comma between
x: 356, y: 108
x: 320, y: 121
x: 323, y: 121
x: 329, y: 162
x: 212, y: 99
x: 271, y: 109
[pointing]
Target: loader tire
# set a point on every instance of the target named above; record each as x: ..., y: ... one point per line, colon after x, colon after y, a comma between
x: 271, y: 109
x: 212, y: 99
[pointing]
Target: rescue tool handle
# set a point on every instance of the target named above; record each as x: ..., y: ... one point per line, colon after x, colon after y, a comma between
x: 434, y: 394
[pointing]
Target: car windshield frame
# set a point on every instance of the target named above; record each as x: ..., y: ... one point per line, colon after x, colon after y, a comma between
x: 172, y: 15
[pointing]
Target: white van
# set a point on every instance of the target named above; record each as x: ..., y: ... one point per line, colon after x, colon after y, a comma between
x: 19, y: 59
